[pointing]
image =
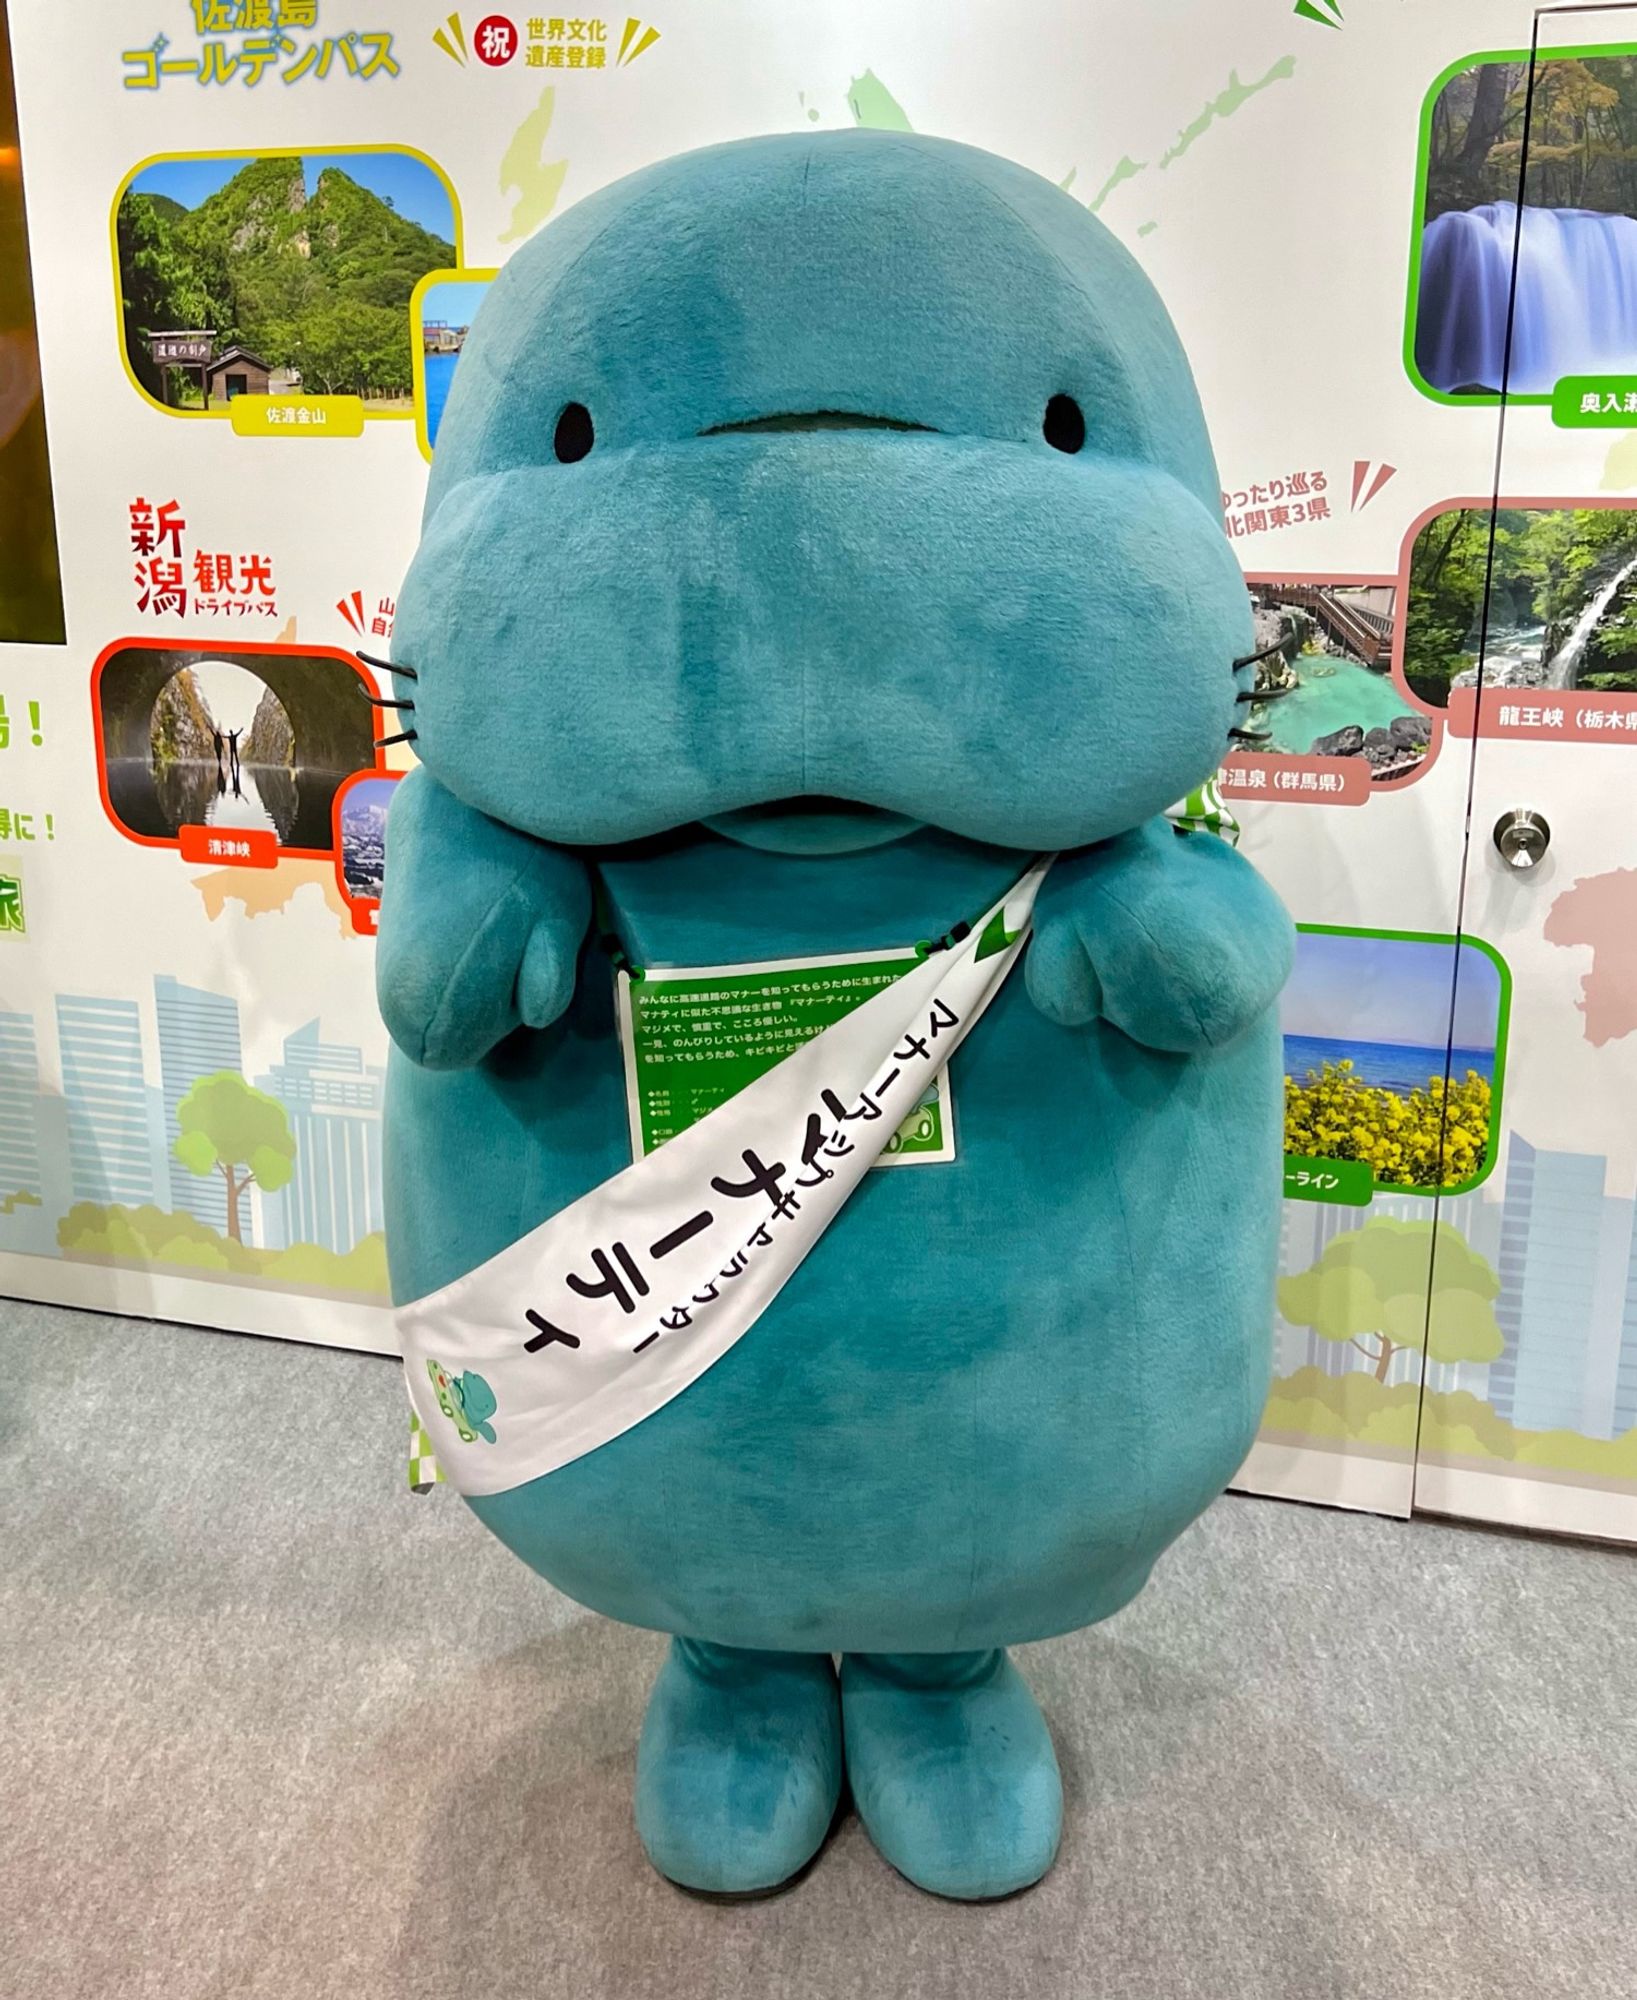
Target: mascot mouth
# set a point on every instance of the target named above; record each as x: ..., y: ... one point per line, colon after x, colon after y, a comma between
x: 814, y: 420
x: 812, y: 824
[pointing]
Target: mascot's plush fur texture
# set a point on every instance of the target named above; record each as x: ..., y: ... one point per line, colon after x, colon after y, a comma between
x: 819, y: 527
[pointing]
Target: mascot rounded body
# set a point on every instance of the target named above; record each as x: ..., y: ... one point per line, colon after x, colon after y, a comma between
x: 819, y: 528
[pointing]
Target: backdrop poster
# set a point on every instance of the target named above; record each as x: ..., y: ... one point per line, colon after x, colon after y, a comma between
x: 258, y: 237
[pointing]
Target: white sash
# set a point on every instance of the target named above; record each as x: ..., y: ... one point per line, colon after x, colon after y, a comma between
x: 597, y: 1318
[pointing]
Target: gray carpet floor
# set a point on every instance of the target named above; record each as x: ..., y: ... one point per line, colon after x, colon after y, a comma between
x: 271, y: 1725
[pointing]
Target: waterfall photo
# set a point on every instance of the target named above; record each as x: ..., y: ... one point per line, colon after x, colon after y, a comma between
x: 1575, y: 236
x: 1562, y: 609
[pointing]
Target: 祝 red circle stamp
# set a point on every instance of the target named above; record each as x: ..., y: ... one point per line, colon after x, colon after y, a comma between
x: 495, y: 40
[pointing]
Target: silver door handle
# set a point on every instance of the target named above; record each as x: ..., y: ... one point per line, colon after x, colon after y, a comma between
x: 1521, y: 837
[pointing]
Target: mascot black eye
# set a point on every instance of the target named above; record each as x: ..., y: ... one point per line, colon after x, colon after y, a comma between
x: 1064, y: 428
x: 575, y: 436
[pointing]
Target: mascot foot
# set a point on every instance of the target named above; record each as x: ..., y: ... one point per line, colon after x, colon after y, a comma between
x: 952, y: 1770
x: 738, y: 1767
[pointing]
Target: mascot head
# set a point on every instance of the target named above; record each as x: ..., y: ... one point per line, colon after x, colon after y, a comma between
x: 819, y: 487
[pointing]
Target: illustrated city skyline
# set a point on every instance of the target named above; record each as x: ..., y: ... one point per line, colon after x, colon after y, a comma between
x: 1565, y: 1252
x: 107, y: 1138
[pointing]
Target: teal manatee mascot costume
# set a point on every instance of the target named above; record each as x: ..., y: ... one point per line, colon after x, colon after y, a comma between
x: 821, y: 528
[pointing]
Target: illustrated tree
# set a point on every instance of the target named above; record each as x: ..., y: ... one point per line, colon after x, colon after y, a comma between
x: 228, y: 1128
x: 1372, y: 1285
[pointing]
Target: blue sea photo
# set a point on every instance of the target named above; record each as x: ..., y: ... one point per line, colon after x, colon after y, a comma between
x: 1398, y: 1009
x: 446, y: 314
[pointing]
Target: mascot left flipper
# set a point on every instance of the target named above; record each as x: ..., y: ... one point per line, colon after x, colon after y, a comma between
x: 1170, y: 937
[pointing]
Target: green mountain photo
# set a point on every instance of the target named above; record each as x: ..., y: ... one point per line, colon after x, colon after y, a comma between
x: 312, y: 286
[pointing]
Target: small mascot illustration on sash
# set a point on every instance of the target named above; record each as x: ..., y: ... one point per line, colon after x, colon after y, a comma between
x: 466, y: 1400
x: 823, y: 569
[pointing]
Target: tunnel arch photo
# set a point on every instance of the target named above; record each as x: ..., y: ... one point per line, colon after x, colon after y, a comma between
x: 241, y: 736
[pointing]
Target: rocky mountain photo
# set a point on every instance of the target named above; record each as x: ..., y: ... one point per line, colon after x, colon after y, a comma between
x: 311, y: 273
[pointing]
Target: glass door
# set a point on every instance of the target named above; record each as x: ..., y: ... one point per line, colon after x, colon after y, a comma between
x: 1521, y: 623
